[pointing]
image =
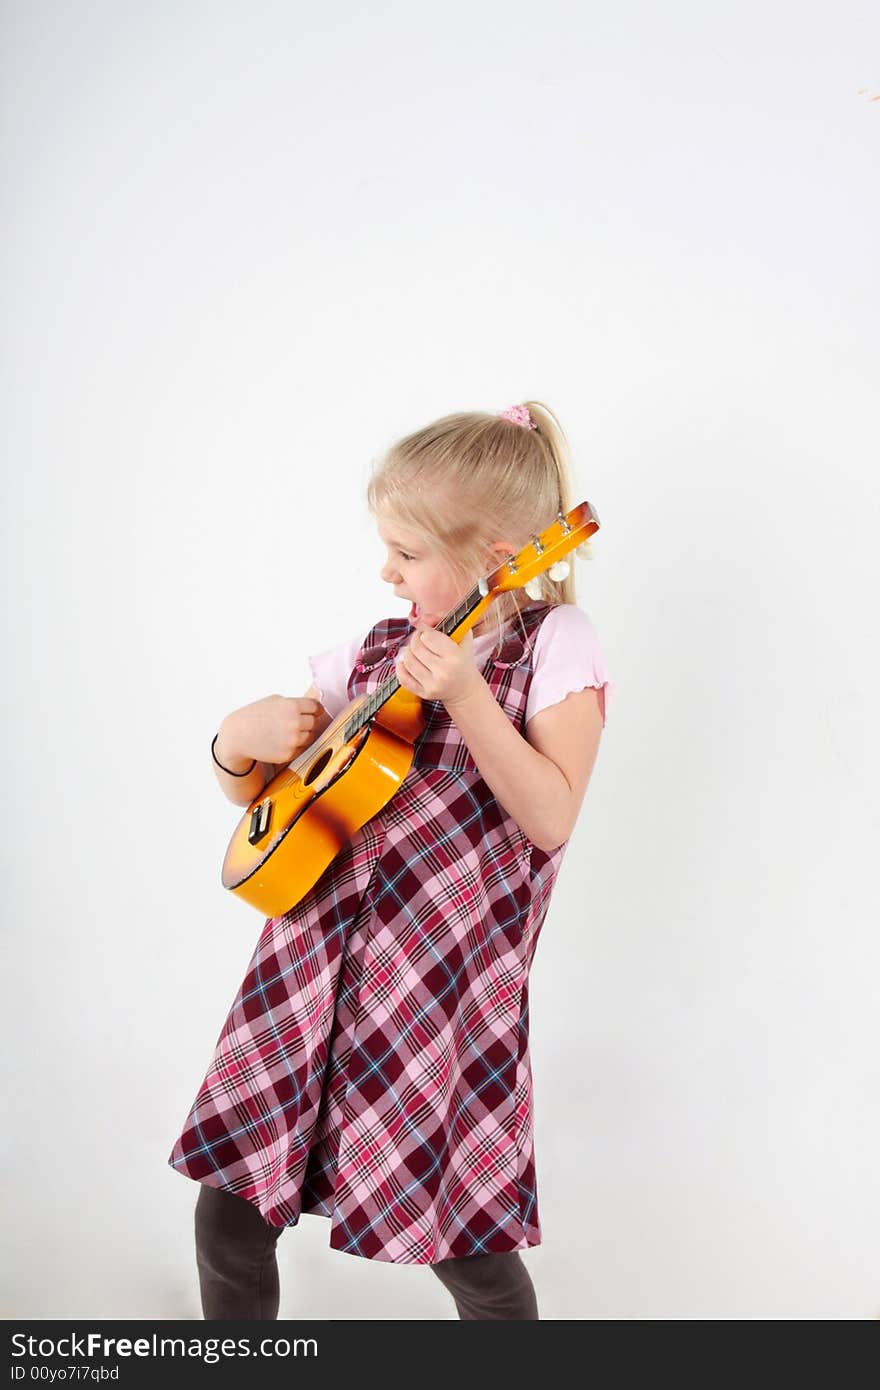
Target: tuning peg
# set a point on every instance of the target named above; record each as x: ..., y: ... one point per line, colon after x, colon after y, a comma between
x: 559, y: 570
x: 533, y: 588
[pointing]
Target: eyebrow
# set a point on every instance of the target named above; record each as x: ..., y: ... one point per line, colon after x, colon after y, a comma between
x: 398, y: 544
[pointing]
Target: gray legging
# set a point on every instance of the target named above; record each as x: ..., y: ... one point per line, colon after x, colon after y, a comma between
x: 238, y: 1270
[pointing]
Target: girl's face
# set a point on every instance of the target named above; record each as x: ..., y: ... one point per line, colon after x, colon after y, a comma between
x: 418, y: 573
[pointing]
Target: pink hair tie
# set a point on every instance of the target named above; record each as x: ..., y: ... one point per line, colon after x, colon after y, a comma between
x: 520, y: 415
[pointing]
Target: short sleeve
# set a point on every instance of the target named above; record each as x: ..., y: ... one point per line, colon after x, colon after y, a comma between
x: 567, y: 657
x: 330, y: 672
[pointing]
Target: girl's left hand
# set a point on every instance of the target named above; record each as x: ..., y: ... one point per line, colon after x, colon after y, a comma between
x: 434, y: 667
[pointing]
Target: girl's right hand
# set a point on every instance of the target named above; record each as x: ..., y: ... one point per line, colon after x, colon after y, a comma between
x: 274, y: 729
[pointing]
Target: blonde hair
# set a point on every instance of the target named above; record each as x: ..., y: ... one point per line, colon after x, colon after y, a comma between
x: 470, y: 479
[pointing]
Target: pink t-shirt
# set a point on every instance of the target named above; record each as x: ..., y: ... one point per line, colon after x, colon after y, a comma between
x: 567, y: 657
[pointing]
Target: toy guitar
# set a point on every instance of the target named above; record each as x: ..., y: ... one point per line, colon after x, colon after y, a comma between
x: 309, y: 810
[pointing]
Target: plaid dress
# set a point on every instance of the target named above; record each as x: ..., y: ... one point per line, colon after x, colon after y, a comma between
x: 374, y: 1066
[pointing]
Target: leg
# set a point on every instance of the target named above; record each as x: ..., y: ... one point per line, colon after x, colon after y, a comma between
x: 235, y: 1255
x: 489, y: 1286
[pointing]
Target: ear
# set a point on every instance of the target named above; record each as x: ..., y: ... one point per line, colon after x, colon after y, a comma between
x: 502, y: 549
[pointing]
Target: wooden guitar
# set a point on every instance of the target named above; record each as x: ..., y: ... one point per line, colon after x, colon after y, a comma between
x: 309, y: 810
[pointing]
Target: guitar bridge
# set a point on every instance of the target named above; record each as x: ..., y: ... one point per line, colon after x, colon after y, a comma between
x: 260, y: 817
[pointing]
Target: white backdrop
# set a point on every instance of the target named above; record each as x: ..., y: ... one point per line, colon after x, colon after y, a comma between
x: 245, y: 247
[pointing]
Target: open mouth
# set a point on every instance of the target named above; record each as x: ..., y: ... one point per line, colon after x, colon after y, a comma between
x: 414, y: 615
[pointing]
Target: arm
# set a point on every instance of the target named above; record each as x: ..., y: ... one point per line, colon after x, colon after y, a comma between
x: 243, y: 790
x: 540, y: 780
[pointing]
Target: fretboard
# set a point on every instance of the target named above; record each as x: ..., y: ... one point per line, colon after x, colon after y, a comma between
x: 364, y: 712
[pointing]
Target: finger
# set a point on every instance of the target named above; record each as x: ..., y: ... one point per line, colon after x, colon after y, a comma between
x: 405, y: 675
x: 420, y: 666
x: 431, y: 638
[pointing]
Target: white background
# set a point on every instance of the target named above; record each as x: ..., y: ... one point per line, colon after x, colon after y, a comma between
x: 245, y: 247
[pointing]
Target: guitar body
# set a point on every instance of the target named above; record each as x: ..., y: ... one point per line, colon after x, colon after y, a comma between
x: 301, y: 820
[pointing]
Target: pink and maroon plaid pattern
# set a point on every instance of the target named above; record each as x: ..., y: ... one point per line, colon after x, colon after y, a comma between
x: 374, y: 1066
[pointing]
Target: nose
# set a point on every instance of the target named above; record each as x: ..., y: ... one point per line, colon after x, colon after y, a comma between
x: 389, y: 573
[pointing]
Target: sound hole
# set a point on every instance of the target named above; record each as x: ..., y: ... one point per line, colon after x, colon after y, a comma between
x: 317, y: 767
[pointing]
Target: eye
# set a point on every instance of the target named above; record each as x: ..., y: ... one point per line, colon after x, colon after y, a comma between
x: 404, y: 556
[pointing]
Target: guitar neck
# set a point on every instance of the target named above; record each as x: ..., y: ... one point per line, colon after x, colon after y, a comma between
x: 514, y: 572
x: 454, y: 624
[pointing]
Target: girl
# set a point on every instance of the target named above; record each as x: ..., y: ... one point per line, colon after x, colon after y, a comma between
x: 374, y: 1067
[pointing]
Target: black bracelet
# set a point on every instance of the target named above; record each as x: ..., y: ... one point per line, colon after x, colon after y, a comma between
x: 229, y: 769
